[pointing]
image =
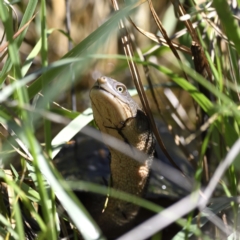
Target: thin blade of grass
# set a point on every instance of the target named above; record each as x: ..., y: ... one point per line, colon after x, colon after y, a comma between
x: 97, y: 37
x: 31, y: 7
x: 230, y: 25
x: 71, y: 130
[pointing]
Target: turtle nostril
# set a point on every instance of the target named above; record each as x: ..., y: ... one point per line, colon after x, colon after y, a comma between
x: 101, y: 80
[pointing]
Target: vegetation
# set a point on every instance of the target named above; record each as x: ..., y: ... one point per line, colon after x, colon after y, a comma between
x: 192, y: 85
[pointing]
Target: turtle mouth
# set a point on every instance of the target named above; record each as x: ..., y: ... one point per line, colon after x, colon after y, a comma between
x: 109, y: 105
x: 99, y: 88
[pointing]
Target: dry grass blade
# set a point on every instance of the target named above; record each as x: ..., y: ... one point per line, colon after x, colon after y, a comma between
x: 202, y: 67
x: 180, y: 33
x: 171, y: 214
x: 140, y: 89
x: 164, y: 218
x: 161, y: 40
x: 203, y: 128
x: 231, y: 156
x: 21, y: 153
x: 26, y: 153
x: 180, y: 9
x: 162, y: 30
x: 218, y: 31
x: 146, y: 70
x: 198, y: 120
x: 180, y: 122
x: 196, y: 48
x: 212, y: 217
x: 5, y: 45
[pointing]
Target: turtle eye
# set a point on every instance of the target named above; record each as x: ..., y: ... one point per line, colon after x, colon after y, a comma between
x: 120, y: 88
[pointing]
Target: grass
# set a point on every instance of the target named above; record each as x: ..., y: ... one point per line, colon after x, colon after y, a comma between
x: 32, y: 186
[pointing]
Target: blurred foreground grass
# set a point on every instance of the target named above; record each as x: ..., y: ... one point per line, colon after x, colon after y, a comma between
x: 201, y: 111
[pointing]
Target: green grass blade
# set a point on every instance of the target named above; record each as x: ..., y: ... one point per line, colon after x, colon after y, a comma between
x: 33, y: 54
x: 230, y: 25
x: 82, y: 49
x: 76, y: 211
x: 71, y: 130
x: 31, y: 7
